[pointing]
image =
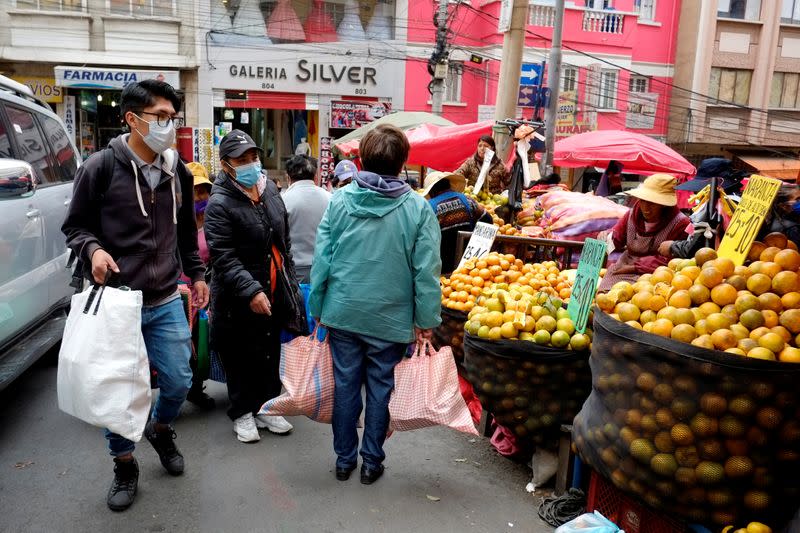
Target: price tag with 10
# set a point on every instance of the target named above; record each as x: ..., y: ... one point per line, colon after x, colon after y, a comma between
x: 480, y: 244
x: 593, y: 258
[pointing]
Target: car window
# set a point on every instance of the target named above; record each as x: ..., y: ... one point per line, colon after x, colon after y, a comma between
x: 62, y: 148
x: 32, y: 146
x: 5, y: 143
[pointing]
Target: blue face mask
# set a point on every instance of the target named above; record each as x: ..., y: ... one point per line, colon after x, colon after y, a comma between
x: 247, y: 175
x: 200, y: 207
x: 796, y: 208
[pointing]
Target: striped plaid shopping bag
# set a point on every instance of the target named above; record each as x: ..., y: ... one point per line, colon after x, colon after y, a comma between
x: 306, y: 372
x: 426, y: 392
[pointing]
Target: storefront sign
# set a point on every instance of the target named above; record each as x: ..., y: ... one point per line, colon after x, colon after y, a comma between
x: 326, y: 165
x: 480, y: 244
x: 101, y: 78
x: 569, y: 120
x: 641, y: 111
x: 351, y: 115
x: 43, y: 88
x: 593, y: 256
x: 278, y: 69
x: 69, y: 115
x: 748, y: 218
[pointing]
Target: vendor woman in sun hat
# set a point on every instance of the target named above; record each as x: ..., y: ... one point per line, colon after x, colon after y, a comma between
x: 653, y: 218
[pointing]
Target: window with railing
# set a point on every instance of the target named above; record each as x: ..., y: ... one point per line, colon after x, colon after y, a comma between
x: 144, y: 8
x: 638, y: 84
x: 730, y: 85
x: 452, y: 84
x: 52, y: 5
x: 646, y: 9
x: 784, y: 91
x: 790, y: 11
x: 542, y: 13
x: 739, y: 9
x: 608, y: 89
x: 569, y: 79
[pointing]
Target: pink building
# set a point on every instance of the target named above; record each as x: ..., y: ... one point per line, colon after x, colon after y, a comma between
x: 620, y: 78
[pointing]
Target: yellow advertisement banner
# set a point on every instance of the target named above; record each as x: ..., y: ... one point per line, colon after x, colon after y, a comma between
x: 748, y: 218
x: 43, y: 88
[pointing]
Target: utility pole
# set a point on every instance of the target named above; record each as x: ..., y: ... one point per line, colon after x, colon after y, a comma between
x: 510, y: 71
x: 437, y: 64
x: 554, y: 83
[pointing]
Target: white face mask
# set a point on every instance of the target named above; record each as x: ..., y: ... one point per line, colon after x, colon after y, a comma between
x: 159, y: 138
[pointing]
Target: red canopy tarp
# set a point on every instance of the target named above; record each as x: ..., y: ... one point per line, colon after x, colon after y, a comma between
x: 639, y: 154
x: 438, y: 147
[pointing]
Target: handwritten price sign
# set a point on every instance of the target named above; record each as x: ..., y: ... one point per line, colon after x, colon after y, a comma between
x: 480, y: 244
x: 593, y: 257
x: 748, y: 218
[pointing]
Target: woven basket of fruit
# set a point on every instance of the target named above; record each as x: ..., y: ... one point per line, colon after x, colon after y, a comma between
x: 709, y: 436
x: 529, y: 388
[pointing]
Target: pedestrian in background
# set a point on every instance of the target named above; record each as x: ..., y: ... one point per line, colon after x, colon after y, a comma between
x: 343, y: 173
x: 375, y: 285
x: 246, y: 226
x: 202, y: 190
x: 110, y: 226
x: 305, y: 203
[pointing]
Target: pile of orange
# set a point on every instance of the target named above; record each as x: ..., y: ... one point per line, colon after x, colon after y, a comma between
x: 465, y: 285
x: 751, y: 310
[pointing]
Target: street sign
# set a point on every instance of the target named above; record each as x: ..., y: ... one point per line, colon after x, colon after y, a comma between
x: 528, y: 94
x: 531, y: 74
x: 747, y: 219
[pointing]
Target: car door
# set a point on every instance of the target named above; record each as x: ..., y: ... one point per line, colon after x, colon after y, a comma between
x: 23, y: 280
x: 54, y: 202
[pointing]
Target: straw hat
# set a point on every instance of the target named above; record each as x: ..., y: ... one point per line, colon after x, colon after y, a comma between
x: 658, y: 189
x: 457, y: 181
x: 200, y: 173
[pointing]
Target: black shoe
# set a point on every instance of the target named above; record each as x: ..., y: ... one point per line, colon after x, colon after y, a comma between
x: 343, y: 474
x: 370, y: 475
x: 200, y: 398
x: 163, y: 442
x: 123, y: 488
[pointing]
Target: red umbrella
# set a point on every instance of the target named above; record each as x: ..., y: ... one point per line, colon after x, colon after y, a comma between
x: 440, y: 147
x: 639, y: 154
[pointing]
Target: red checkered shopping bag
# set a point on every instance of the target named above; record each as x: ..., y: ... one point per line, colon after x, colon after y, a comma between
x: 426, y: 392
x: 306, y: 372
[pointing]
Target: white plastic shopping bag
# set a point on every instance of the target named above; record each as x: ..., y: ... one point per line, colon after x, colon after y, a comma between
x: 103, y: 370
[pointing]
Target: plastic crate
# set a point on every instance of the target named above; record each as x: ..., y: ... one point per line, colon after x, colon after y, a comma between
x: 629, y: 515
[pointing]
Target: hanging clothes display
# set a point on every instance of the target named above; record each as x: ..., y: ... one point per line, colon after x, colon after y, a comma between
x: 284, y: 25
x: 379, y: 27
x: 319, y: 25
x: 350, y: 29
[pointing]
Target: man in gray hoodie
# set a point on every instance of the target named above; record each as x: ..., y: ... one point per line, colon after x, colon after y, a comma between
x: 138, y: 222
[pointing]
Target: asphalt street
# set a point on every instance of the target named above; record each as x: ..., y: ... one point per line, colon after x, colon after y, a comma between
x: 55, y: 471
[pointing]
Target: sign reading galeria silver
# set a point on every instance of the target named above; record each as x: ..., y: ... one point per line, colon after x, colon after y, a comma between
x: 359, y: 71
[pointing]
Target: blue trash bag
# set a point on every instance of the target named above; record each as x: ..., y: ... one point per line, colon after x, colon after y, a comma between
x: 305, y: 288
x: 589, y: 523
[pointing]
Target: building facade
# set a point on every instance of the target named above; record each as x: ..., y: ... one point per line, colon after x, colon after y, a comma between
x: 738, y: 73
x: 617, y: 68
x: 78, y: 54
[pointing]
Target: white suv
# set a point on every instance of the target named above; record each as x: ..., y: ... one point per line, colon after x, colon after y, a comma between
x: 38, y: 161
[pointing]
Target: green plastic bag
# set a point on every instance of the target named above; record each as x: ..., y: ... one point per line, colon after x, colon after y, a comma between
x: 202, y: 350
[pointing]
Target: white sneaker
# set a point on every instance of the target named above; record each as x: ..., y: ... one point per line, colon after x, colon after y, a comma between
x: 245, y: 428
x: 275, y: 424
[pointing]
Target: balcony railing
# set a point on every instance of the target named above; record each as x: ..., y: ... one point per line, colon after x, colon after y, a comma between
x: 602, y: 21
x: 539, y: 15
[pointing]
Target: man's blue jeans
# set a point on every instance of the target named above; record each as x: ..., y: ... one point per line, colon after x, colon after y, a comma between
x: 356, y: 357
x: 166, y: 335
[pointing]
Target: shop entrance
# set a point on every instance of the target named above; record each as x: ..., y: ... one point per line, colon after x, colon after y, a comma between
x: 99, y: 119
x: 279, y: 132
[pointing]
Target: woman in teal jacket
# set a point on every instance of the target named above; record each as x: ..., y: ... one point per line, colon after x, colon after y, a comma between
x: 375, y: 286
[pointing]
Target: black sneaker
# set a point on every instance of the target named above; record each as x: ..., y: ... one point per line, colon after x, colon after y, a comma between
x: 198, y: 397
x: 123, y: 488
x: 370, y: 475
x: 163, y: 442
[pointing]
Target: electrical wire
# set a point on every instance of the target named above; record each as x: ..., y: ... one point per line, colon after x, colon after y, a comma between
x: 558, y: 510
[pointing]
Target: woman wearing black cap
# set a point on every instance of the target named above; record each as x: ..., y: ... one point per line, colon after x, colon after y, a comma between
x: 248, y: 239
x: 497, y: 179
